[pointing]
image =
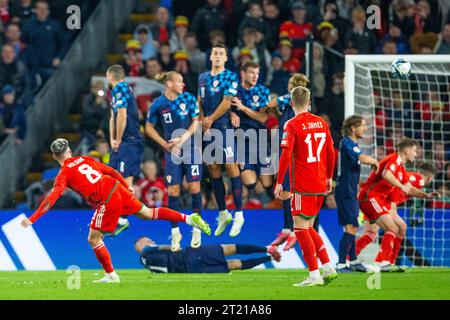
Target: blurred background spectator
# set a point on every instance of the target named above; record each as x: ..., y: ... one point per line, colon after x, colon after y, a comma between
x: 133, y: 62
x: 151, y: 189
x: 196, y: 57
x: 210, y: 17
x: 12, y: 113
x: 12, y: 70
x: 161, y: 29
x: 145, y: 38
x: 177, y: 40
x: 152, y: 68
x: 94, y: 118
x: 46, y: 42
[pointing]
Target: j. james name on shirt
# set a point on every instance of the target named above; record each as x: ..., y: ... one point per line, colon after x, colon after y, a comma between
x: 312, y: 125
x: 78, y: 161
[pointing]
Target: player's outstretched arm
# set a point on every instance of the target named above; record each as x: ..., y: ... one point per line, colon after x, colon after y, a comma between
x: 365, y: 159
x: 49, y: 201
x: 112, y: 173
x: 414, y: 192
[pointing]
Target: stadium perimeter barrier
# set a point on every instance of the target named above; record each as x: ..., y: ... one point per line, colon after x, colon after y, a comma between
x: 59, y: 239
x: 52, y: 103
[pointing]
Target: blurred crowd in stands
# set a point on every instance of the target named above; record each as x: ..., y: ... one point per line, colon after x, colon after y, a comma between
x: 33, y: 41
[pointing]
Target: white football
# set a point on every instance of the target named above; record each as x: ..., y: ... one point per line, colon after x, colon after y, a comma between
x: 401, y: 68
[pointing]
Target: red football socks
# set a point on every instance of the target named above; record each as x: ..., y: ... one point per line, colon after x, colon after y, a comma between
x: 104, y: 258
x: 308, y: 248
x: 168, y: 214
x: 384, y: 254
x: 321, y: 250
x: 364, y: 241
x: 397, y: 245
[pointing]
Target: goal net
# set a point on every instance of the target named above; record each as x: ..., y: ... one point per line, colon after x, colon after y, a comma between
x: 417, y: 107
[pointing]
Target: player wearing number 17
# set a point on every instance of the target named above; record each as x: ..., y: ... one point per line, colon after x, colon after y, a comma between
x: 307, y: 149
x: 106, y: 190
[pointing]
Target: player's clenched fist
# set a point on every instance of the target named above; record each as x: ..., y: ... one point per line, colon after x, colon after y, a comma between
x: 26, y: 223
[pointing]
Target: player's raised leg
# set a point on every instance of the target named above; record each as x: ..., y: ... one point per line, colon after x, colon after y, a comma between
x: 194, y: 220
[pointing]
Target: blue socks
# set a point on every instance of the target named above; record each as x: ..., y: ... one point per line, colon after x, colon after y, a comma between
x: 196, y: 202
x: 174, y: 205
x: 250, y: 263
x: 236, y: 187
x: 345, y: 246
x: 219, y: 192
x: 246, y: 249
x: 288, y: 221
x: 352, y: 252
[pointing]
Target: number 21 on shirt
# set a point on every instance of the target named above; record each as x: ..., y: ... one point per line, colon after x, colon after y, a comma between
x: 318, y: 136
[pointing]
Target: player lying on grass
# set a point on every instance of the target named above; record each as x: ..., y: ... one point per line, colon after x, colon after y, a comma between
x: 420, y: 179
x: 106, y: 190
x: 308, y: 152
x: 206, y: 259
x: 375, y: 202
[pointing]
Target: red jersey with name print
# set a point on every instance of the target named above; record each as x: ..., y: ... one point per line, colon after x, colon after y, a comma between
x: 416, y: 180
x: 89, y: 178
x: 376, y: 186
x: 308, y: 150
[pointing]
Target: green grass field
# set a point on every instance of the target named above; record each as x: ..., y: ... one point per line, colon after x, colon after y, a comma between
x: 417, y: 283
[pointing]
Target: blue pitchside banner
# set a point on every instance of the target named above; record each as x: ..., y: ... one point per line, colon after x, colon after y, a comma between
x: 59, y: 239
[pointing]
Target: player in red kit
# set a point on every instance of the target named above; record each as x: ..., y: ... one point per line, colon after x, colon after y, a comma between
x: 106, y: 190
x: 423, y: 177
x: 307, y: 149
x: 375, y: 193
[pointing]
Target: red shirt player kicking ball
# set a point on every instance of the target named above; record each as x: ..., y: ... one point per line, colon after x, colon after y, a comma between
x: 307, y: 148
x: 376, y: 194
x: 106, y: 190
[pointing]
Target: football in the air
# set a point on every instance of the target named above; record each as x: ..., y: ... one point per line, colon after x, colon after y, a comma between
x: 401, y: 68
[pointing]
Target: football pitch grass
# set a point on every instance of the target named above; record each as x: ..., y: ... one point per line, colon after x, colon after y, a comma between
x: 416, y: 283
